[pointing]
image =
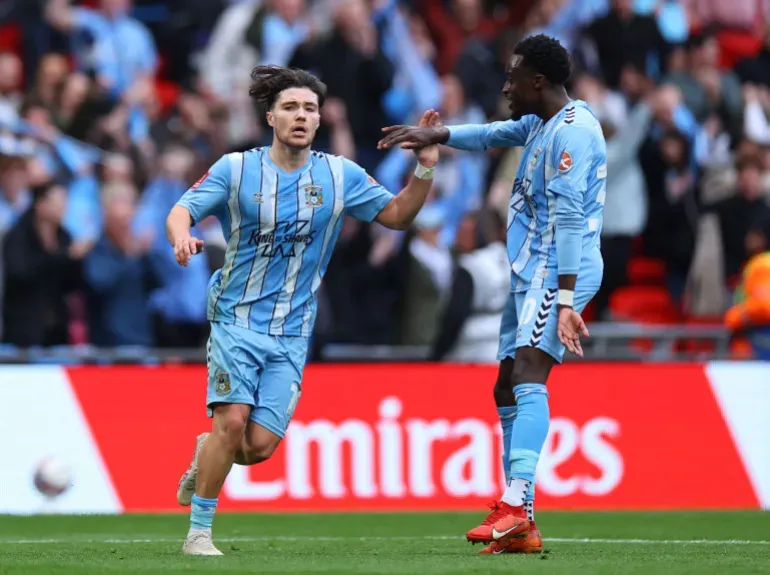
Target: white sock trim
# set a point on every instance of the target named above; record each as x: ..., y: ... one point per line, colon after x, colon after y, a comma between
x: 516, y: 492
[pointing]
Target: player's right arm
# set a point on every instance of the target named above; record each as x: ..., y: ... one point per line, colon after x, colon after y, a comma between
x: 203, y: 199
x: 471, y: 137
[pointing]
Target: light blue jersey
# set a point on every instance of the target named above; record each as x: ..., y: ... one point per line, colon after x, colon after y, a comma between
x: 556, y: 209
x: 281, y: 229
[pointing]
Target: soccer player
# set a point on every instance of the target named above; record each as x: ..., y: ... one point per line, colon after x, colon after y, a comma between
x: 554, y: 224
x: 281, y: 208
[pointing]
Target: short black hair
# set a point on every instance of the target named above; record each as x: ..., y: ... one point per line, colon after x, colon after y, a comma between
x: 40, y: 192
x: 267, y: 82
x: 546, y: 56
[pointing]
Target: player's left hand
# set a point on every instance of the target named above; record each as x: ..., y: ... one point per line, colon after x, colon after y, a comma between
x: 571, y: 327
x: 428, y: 156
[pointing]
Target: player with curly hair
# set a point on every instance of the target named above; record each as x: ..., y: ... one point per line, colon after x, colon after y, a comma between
x: 554, y: 225
x: 281, y: 208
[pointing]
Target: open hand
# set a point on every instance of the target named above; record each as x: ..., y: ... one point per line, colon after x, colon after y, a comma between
x: 186, y: 248
x: 571, y: 327
x: 428, y: 133
x: 428, y: 156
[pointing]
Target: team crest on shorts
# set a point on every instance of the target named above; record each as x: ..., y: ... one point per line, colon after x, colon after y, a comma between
x: 314, y: 197
x: 222, y: 383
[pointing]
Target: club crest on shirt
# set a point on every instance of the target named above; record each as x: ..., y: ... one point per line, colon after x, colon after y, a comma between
x: 257, y: 198
x: 314, y: 197
x: 535, y: 158
x: 222, y: 383
x: 372, y: 180
x: 565, y: 164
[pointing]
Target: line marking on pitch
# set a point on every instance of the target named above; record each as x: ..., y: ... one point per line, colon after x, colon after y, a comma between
x: 395, y: 538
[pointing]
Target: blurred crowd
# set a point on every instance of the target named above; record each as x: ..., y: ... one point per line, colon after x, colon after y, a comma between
x: 110, y: 109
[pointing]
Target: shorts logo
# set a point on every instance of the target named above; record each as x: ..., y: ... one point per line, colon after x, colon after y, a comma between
x: 197, y: 184
x: 565, y: 164
x: 314, y: 197
x: 542, y: 316
x: 222, y: 383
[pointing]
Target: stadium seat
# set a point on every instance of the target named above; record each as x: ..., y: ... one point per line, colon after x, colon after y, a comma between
x: 10, y: 38
x: 646, y: 304
x: 699, y: 345
x: 646, y: 271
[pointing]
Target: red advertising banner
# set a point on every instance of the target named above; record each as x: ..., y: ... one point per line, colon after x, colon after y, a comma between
x: 421, y: 437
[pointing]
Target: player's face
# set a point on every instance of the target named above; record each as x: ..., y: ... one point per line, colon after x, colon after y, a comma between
x: 295, y: 117
x: 521, y: 89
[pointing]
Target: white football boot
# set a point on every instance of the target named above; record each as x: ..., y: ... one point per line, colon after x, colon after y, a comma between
x: 186, y: 488
x: 200, y: 543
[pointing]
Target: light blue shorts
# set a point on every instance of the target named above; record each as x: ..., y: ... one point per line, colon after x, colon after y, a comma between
x: 530, y: 319
x: 256, y: 369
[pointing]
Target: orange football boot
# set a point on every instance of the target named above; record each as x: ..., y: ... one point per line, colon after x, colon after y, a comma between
x: 504, y: 522
x: 532, y: 542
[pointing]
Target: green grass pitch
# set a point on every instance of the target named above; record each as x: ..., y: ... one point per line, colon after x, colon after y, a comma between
x: 421, y: 543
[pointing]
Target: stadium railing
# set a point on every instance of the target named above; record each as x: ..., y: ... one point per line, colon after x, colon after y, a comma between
x: 608, y: 342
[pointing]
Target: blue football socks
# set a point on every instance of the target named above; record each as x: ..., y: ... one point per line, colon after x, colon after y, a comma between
x: 507, y: 415
x: 530, y: 429
x: 202, y: 513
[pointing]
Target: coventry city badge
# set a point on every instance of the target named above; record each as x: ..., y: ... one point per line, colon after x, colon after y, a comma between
x: 314, y: 197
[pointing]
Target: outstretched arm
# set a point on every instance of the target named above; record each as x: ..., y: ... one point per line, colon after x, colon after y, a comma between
x: 367, y: 200
x: 472, y: 137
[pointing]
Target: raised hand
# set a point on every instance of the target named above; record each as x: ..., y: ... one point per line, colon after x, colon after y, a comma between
x: 414, y: 137
x: 428, y: 155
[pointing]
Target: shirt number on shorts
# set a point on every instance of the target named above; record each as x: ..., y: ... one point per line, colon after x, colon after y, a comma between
x: 295, y: 393
x: 528, y: 310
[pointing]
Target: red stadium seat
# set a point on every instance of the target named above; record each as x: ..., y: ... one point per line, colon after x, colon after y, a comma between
x: 695, y: 345
x: 10, y: 38
x: 735, y: 45
x: 167, y: 92
x: 646, y: 271
x: 646, y: 304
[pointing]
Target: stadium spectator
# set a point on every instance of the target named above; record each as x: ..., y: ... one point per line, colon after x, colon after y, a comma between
x: 706, y: 89
x: 118, y: 277
x: 118, y: 49
x: 670, y: 231
x: 10, y: 86
x: 429, y: 279
x: 481, y: 69
x: 49, y: 78
x: 743, y: 217
x: 178, y: 321
x: 451, y: 27
x: 15, y: 196
x: 225, y: 66
x: 625, y: 207
x: 458, y: 185
x: 623, y: 37
x: 351, y: 64
x: 469, y: 328
x: 41, y: 266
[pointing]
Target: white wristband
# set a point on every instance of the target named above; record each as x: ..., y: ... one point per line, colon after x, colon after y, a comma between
x: 566, y: 297
x: 423, y: 173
